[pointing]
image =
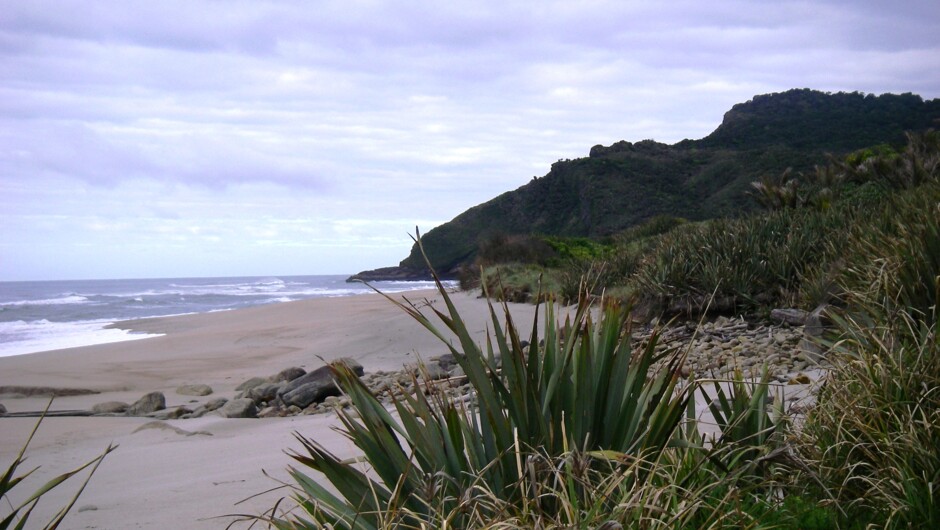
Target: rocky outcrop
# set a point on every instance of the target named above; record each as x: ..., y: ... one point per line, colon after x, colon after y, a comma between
x: 401, y: 274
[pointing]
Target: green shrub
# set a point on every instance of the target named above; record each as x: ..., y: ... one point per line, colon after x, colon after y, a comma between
x: 742, y: 263
x: 581, y: 428
x: 577, y: 387
x: 876, y: 430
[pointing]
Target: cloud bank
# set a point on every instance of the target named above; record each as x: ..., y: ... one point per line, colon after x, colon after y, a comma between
x: 278, y: 137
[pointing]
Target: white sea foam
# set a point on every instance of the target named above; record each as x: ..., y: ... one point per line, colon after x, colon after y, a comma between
x: 63, y: 300
x: 21, y: 337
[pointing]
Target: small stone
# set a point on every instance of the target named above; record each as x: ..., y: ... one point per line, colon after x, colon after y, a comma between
x: 3, y: 410
x: 800, y: 379
x: 88, y: 508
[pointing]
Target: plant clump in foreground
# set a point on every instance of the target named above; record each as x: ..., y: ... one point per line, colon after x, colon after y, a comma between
x: 581, y: 428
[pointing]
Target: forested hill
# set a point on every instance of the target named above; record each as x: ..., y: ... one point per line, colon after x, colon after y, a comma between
x: 627, y: 183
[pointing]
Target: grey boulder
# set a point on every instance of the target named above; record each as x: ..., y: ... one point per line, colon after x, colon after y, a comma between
x: 151, y: 402
x: 239, y: 408
x: 265, y: 392
x: 288, y: 374
x: 251, y: 383
x: 315, y: 386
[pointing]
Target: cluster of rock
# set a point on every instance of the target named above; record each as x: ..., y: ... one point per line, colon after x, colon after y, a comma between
x: 718, y: 348
x: 713, y: 349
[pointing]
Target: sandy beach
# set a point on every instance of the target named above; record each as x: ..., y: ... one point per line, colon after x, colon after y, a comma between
x: 187, y: 476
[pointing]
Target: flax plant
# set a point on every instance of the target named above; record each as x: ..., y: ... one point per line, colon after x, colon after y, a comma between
x: 435, y: 462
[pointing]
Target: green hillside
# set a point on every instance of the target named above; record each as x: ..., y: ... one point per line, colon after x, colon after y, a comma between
x: 625, y: 184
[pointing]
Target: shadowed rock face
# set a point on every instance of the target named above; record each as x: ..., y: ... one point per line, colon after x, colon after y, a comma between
x: 151, y: 402
x: 239, y: 408
x: 314, y: 386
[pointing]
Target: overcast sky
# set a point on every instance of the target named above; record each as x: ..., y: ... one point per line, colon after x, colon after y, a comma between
x: 210, y: 138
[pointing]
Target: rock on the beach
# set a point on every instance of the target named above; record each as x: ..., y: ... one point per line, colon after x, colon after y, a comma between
x: 215, y: 404
x: 194, y: 390
x: 288, y: 374
x: 151, y: 402
x: 265, y: 392
x: 315, y: 386
x: 251, y: 383
x: 169, y: 414
x: 433, y: 369
x: 110, y: 407
x: 239, y: 408
x: 312, y: 392
x: 3, y: 410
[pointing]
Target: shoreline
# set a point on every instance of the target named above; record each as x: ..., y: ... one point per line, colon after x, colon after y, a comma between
x: 184, y: 473
x: 160, y: 478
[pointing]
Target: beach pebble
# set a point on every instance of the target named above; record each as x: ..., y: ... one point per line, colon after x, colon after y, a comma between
x: 3, y: 410
x: 87, y: 508
x: 194, y: 390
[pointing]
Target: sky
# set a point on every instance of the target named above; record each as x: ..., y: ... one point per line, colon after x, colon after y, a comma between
x: 227, y: 138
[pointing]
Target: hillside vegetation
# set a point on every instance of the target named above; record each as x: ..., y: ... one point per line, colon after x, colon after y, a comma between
x: 586, y: 425
x: 627, y: 184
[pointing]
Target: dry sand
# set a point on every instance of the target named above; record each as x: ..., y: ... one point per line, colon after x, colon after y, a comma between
x: 162, y: 478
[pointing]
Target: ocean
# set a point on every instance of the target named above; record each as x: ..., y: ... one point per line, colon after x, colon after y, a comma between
x: 49, y: 315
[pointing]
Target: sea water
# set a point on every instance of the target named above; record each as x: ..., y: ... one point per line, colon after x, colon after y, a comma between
x: 49, y: 315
